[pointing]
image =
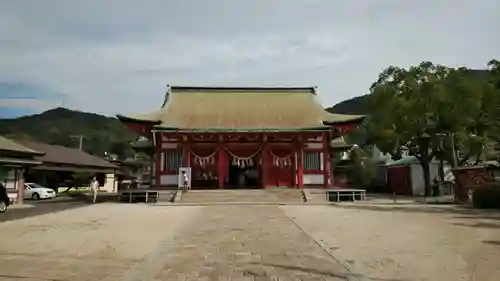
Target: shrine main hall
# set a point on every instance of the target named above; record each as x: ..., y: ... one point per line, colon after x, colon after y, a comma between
x: 242, y: 137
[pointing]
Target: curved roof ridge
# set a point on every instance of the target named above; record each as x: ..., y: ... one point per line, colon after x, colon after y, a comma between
x: 311, y: 89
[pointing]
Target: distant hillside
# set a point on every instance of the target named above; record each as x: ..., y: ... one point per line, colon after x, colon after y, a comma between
x: 355, y: 106
x: 63, y: 126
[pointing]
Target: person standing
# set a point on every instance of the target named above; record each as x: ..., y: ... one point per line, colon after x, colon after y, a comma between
x: 94, y: 188
x: 185, y: 180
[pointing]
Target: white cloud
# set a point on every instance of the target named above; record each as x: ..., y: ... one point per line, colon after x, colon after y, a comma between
x: 116, y: 57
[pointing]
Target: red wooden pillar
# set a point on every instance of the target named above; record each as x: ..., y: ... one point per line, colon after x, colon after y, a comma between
x: 222, y: 162
x: 300, y: 170
x: 265, y: 165
x: 326, y: 160
x: 294, y: 174
x: 158, y: 159
x: 186, y: 157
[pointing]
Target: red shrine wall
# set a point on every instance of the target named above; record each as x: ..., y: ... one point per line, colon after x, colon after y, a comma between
x: 290, y: 164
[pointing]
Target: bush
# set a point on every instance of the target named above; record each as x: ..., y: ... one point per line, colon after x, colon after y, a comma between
x: 487, y: 197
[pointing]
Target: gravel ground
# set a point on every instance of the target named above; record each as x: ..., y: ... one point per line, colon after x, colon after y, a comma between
x: 113, y: 241
x: 407, y: 245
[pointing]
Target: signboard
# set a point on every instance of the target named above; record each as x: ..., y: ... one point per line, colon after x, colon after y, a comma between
x: 180, y: 180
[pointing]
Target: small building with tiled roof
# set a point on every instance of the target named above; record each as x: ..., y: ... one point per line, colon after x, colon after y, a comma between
x: 59, y: 163
x: 49, y: 164
x: 235, y: 136
x: 15, y: 158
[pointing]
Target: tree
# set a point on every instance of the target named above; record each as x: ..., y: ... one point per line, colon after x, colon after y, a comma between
x: 362, y: 169
x: 464, y: 113
x: 434, y: 111
x: 407, y: 104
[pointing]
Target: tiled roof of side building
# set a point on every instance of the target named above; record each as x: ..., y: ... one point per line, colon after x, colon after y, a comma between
x: 240, y: 109
x: 61, y: 155
x: 12, y: 146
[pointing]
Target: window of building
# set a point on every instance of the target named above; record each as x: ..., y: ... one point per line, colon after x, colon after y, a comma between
x: 311, y: 161
x: 172, y: 160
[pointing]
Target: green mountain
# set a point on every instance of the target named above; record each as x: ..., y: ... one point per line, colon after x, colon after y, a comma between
x: 64, y: 127
x: 356, y: 106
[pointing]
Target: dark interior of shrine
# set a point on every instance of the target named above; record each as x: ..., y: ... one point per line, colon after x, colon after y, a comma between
x: 244, y: 173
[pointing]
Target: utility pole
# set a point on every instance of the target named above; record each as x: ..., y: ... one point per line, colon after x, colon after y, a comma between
x: 80, y: 137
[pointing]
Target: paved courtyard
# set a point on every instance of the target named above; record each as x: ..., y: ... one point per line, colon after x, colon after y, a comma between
x: 146, y: 242
x: 407, y: 243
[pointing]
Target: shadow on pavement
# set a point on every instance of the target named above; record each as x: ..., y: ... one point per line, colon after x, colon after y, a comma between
x: 493, y: 216
x: 479, y: 225
x: 323, y: 273
x: 492, y: 242
x: 43, y: 207
x: 421, y: 208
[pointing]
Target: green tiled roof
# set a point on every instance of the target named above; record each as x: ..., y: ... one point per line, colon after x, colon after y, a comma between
x: 405, y: 161
x: 241, y: 109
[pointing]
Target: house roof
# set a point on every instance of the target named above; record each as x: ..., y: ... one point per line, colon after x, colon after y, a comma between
x: 12, y: 146
x: 405, y: 161
x: 67, y: 156
x: 241, y: 109
x: 339, y: 143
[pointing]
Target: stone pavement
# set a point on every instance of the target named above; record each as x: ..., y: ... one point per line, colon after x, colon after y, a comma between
x: 239, y: 243
x: 274, y: 196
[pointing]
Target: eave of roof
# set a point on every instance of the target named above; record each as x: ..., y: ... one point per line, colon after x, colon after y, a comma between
x: 80, y: 169
x: 19, y: 161
x: 136, y: 119
x: 238, y: 130
x: 348, y: 119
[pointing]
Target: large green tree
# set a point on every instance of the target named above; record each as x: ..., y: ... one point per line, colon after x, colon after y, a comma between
x: 432, y: 110
x: 465, y: 114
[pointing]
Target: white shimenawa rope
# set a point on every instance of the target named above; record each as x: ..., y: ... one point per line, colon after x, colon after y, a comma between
x: 281, y: 158
x: 203, y: 157
x: 243, y: 158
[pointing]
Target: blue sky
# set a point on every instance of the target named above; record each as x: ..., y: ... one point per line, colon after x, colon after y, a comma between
x: 116, y: 56
x: 11, y: 112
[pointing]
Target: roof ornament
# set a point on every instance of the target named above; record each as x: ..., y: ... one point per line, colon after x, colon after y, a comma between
x: 167, y: 94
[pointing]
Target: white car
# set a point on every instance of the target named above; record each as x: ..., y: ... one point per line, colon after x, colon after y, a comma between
x: 35, y: 191
x: 143, y: 185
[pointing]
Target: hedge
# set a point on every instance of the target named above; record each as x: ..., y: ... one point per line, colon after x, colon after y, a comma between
x: 487, y: 197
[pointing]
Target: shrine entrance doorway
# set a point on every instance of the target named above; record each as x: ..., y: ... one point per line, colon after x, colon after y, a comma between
x: 244, y: 170
x: 204, y: 172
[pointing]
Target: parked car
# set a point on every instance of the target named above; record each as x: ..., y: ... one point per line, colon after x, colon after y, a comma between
x: 4, y: 199
x: 143, y: 184
x: 36, y: 192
